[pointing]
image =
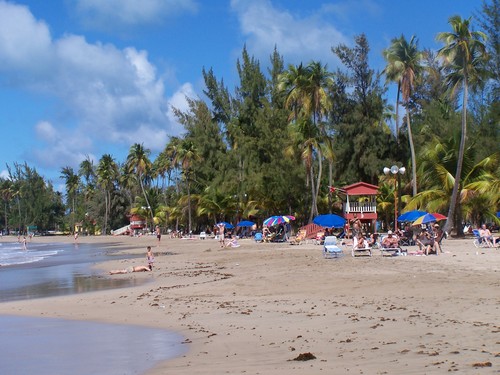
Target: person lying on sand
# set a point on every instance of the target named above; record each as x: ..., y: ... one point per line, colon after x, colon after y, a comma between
x: 132, y: 269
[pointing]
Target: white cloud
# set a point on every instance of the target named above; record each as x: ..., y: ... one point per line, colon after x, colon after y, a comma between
x: 178, y: 100
x: 66, y: 147
x: 126, y: 13
x: 297, y: 38
x: 4, y: 174
x: 24, y: 41
x: 104, y: 94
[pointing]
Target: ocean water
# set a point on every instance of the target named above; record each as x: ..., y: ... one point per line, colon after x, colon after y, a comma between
x: 46, y: 346
x: 53, y: 269
x: 12, y: 253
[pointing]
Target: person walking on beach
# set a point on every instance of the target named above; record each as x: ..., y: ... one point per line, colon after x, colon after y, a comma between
x: 150, y: 258
x: 158, y: 234
x: 221, y: 227
x: 25, y: 247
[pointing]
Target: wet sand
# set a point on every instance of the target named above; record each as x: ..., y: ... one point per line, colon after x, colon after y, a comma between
x: 258, y: 308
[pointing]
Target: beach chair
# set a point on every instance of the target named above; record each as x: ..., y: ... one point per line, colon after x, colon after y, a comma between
x: 330, y: 248
x: 363, y: 251
x: 258, y: 237
x: 478, y: 241
x: 299, y: 238
x: 390, y: 251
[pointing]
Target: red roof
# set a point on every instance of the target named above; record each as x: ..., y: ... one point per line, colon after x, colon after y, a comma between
x: 361, y: 188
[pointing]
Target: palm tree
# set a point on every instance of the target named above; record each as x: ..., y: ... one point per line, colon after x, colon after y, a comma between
x: 185, y: 156
x: 403, y: 66
x: 306, y: 97
x: 107, y: 172
x: 72, y: 182
x: 87, y: 170
x: 138, y: 162
x: 465, y: 56
x: 480, y: 187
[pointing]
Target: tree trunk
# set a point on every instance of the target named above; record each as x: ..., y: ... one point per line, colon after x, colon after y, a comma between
x: 455, y: 195
x: 147, y: 202
x: 313, y: 194
x: 330, y: 183
x: 189, y: 208
x: 397, y: 117
x: 412, y: 150
x: 318, y: 182
x: 105, y: 213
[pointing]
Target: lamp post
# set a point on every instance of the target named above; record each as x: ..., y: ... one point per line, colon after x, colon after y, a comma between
x: 395, y: 170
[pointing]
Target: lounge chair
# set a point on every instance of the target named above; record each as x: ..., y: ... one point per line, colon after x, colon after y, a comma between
x: 330, y: 248
x: 390, y: 251
x: 358, y: 251
x: 478, y: 240
x: 299, y: 238
x: 258, y: 237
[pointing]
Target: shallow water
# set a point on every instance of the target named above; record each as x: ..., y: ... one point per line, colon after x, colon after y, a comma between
x: 46, y: 346
x: 55, y: 269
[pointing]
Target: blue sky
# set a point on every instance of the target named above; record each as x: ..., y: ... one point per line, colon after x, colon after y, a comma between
x: 89, y: 77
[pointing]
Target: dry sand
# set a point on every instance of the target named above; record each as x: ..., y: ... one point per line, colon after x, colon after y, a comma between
x: 256, y: 308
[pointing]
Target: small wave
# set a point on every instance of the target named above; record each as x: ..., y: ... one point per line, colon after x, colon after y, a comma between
x: 15, y: 257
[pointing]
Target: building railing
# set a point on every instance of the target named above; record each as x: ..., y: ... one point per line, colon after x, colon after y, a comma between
x: 360, y: 207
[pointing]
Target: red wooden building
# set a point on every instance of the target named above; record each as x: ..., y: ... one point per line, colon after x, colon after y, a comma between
x: 360, y: 200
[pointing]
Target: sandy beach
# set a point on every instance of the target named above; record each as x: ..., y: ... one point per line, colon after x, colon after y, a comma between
x: 259, y: 308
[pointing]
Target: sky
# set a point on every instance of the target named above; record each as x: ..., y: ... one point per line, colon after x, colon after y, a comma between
x: 84, y: 78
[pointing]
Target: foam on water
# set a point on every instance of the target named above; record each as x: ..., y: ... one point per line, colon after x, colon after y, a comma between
x: 12, y: 253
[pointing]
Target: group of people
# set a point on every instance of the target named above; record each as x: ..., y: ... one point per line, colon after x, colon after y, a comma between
x: 428, y: 240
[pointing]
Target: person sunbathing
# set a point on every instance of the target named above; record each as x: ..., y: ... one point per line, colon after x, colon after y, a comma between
x: 486, y: 236
x: 425, y: 242
x: 360, y: 242
x: 232, y: 243
x: 132, y: 269
x: 391, y: 241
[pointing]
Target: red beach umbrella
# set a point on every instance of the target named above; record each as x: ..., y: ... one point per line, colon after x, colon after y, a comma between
x: 439, y: 217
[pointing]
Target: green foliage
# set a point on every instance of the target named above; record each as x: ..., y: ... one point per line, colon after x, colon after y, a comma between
x: 276, y: 143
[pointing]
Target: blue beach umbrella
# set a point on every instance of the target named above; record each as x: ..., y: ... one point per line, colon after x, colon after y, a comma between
x: 329, y: 221
x: 245, y: 223
x: 411, y: 215
x: 226, y: 224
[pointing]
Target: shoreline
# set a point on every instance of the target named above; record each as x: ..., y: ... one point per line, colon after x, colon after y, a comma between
x: 256, y: 308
